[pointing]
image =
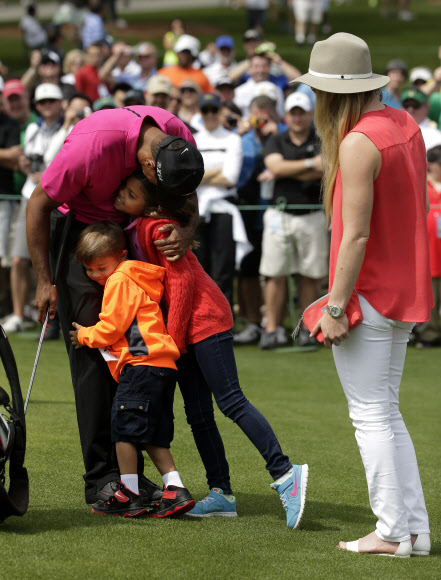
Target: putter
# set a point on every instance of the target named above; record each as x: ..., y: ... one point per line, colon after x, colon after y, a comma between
x: 69, y: 219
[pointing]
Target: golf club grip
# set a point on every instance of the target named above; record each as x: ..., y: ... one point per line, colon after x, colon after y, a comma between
x: 67, y: 224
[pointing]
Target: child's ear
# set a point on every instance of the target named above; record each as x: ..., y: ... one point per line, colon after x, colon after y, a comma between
x: 123, y: 256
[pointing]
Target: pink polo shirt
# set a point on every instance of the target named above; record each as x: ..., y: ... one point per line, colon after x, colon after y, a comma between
x: 98, y: 154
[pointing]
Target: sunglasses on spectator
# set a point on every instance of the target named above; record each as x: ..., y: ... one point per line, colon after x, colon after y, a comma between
x: 207, y: 110
x: 145, y: 55
x: 47, y: 101
x: 188, y: 90
x: 412, y: 104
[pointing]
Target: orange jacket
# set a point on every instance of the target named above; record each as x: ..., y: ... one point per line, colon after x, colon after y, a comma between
x: 131, y: 327
x: 178, y: 75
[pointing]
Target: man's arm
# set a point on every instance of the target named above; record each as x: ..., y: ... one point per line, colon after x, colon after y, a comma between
x: 38, y: 212
x: 180, y: 238
x: 301, y: 169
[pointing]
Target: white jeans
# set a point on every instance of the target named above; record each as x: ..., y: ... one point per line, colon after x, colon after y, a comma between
x: 370, y: 365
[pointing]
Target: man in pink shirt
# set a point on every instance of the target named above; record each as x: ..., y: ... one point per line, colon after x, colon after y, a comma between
x: 99, y: 153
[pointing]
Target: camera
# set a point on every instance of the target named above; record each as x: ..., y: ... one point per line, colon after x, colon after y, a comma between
x: 257, y: 122
x: 37, y: 162
x: 83, y: 113
x: 232, y: 121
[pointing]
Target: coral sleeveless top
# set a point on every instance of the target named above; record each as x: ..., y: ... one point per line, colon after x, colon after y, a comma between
x: 395, y: 275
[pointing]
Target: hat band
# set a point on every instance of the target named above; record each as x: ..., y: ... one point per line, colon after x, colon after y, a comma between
x: 344, y: 77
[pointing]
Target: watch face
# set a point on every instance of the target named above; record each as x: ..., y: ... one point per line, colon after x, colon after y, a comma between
x: 335, y: 311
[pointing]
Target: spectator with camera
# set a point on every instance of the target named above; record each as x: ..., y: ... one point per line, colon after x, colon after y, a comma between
x: 261, y: 125
x: 38, y: 138
x: 295, y: 241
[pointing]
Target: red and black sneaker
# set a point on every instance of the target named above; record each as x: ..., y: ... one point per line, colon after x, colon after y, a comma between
x: 175, y: 502
x: 122, y: 503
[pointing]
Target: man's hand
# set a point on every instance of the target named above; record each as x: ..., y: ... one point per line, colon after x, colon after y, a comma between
x: 334, y: 330
x: 74, y: 335
x: 45, y: 297
x: 266, y: 175
x: 176, y: 245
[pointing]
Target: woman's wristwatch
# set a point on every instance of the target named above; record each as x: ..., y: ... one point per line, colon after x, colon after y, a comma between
x: 335, y: 311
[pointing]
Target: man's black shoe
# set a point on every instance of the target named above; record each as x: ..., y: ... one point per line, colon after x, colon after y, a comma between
x: 150, y: 492
x: 104, y: 493
x: 122, y: 503
x: 175, y: 502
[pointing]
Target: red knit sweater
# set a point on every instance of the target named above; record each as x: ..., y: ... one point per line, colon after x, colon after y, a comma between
x: 196, y: 308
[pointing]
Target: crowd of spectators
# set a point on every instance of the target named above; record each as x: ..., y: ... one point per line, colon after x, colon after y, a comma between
x: 255, y: 132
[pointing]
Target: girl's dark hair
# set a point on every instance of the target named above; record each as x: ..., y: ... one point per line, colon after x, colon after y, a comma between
x: 434, y: 155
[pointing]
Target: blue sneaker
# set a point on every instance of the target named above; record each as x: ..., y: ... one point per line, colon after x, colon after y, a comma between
x: 215, y: 504
x: 292, y: 492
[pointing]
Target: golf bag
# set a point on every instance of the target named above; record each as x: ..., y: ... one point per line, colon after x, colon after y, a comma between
x: 13, y: 501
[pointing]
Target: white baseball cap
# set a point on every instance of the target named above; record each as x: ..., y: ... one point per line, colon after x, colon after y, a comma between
x: 420, y: 73
x: 298, y: 100
x: 48, y: 91
x: 266, y: 88
x: 187, y: 42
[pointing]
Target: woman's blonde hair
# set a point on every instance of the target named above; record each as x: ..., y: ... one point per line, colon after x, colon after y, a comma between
x: 70, y: 57
x: 335, y: 115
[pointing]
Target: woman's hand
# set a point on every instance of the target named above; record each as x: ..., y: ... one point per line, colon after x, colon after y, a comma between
x: 176, y: 245
x: 334, y: 330
x: 74, y: 335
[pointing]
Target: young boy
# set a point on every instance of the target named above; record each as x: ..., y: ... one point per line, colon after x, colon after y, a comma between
x: 141, y: 357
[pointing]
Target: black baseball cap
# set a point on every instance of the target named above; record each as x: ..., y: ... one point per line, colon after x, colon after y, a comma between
x: 209, y: 100
x: 179, y: 169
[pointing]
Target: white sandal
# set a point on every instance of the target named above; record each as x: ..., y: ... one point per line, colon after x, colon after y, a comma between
x: 421, y: 546
x: 404, y: 549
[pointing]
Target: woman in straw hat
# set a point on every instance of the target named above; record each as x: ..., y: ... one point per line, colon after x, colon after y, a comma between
x: 375, y: 194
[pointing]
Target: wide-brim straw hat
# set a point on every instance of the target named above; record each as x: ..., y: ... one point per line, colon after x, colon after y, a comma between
x: 342, y: 64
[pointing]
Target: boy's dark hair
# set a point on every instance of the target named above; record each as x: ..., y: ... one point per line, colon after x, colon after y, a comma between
x: 100, y: 239
x: 434, y: 155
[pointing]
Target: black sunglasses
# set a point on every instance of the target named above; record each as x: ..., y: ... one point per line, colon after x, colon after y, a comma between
x: 207, y: 110
x: 414, y: 104
x: 45, y: 101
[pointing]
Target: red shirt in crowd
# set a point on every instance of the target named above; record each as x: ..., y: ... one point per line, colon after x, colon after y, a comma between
x: 89, y: 83
x: 434, y: 229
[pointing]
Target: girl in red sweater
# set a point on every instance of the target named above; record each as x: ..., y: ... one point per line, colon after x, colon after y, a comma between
x: 199, y: 320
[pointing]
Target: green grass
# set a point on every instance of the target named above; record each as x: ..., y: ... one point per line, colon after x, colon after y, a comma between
x: 301, y: 396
